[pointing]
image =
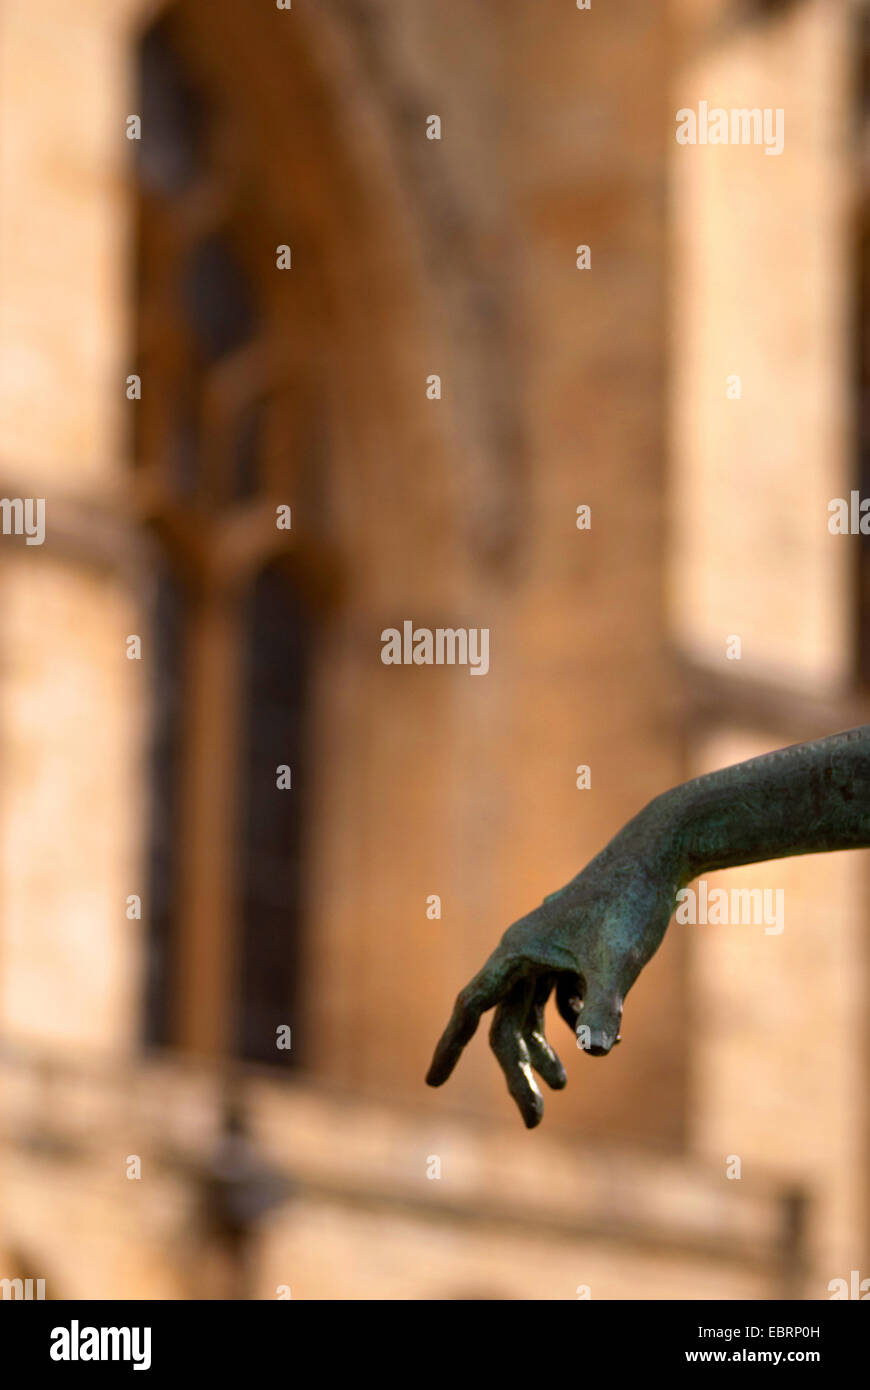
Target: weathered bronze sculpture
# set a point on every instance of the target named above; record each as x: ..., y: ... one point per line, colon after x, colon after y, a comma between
x: 591, y: 939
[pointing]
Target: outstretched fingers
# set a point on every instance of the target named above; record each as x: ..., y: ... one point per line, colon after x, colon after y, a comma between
x: 510, y: 1047
x: 485, y: 990
x: 542, y: 1056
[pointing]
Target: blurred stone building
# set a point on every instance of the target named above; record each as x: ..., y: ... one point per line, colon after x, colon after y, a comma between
x: 239, y: 308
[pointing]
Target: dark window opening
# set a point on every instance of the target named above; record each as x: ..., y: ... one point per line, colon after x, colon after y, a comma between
x: 167, y: 641
x: 217, y: 299
x: 279, y: 633
x: 173, y: 117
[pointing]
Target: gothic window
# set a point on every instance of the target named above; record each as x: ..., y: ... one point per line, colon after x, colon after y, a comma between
x: 233, y: 624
